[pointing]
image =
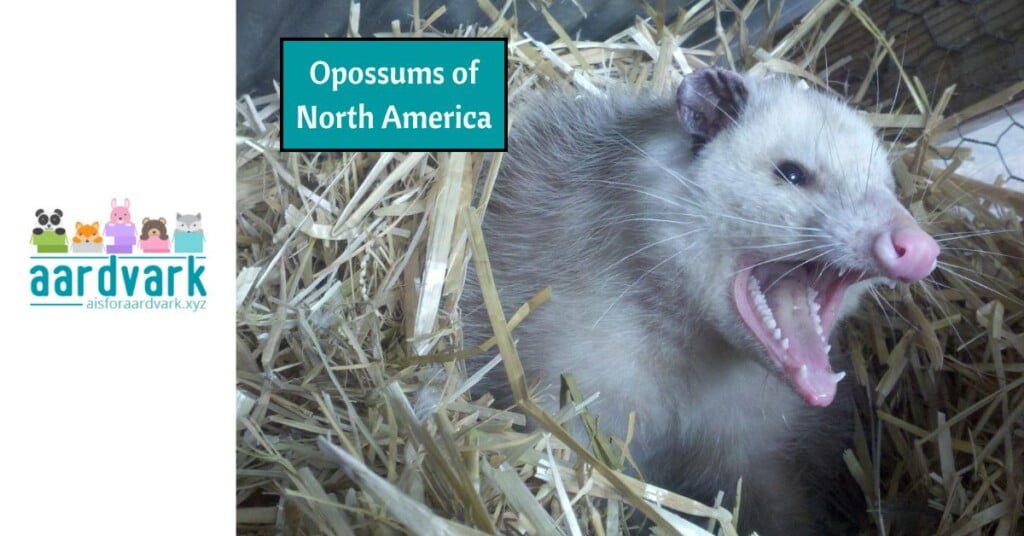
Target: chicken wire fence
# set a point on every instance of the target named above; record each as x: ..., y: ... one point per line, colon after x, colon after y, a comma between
x: 976, y: 45
x: 996, y: 145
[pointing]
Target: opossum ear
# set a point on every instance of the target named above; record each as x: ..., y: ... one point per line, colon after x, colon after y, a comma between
x: 709, y: 100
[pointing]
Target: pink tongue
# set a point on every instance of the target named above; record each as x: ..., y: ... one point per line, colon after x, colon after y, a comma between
x: 805, y: 362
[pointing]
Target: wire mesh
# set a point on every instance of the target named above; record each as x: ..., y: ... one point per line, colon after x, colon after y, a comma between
x: 977, y: 45
x: 996, y: 146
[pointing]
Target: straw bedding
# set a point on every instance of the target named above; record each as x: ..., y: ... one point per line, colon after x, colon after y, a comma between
x: 350, y: 266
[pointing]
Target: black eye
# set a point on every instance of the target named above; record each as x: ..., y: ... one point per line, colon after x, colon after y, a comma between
x: 43, y: 219
x: 55, y: 219
x: 792, y: 173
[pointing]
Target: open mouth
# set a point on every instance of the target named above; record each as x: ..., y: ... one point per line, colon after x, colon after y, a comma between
x: 790, y: 307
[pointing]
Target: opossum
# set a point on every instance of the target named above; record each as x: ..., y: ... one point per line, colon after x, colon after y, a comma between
x: 701, y: 248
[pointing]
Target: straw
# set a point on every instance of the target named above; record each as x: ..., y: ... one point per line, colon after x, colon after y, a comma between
x: 351, y: 266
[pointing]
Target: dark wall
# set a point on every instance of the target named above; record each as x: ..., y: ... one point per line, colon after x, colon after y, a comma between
x: 261, y: 23
x: 976, y: 44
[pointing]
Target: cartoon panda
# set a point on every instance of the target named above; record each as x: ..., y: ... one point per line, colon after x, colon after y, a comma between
x: 49, y: 237
x: 49, y: 221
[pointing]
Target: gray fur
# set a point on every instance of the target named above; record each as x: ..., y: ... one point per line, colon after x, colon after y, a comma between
x: 189, y: 223
x: 605, y: 201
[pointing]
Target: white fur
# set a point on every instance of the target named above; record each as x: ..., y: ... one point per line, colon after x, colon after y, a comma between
x: 592, y: 200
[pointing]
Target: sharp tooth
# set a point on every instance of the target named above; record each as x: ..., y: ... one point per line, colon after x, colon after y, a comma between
x: 803, y: 371
x: 838, y: 377
x: 785, y: 343
x: 815, y: 307
x: 818, y: 330
x: 777, y: 333
x: 770, y: 322
x: 828, y: 348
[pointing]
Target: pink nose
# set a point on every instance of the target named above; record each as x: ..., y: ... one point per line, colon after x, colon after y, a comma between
x: 907, y: 254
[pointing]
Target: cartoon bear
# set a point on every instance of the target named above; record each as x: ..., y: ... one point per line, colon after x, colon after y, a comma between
x: 87, y: 238
x: 154, y: 237
x: 188, y: 233
x: 49, y: 237
x: 120, y: 228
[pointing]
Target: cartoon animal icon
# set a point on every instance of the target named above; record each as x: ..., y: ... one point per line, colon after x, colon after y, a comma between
x: 190, y: 223
x: 87, y: 233
x: 49, y: 236
x: 188, y: 233
x: 120, y: 228
x: 120, y: 213
x: 49, y: 221
x: 154, y: 238
x: 87, y: 238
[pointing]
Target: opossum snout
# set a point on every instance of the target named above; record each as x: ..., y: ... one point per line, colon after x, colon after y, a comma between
x: 906, y: 253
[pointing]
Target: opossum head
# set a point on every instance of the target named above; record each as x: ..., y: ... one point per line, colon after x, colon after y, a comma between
x: 797, y: 201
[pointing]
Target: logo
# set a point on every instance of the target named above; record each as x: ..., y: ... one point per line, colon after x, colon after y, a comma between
x: 120, y: 264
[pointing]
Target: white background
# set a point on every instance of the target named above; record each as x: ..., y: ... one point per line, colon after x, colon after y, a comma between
x: 103, y: 431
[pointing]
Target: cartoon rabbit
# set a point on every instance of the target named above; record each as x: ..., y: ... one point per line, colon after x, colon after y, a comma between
x: 120, y: 228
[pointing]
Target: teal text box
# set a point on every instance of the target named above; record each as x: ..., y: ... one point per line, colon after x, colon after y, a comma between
x: 394, y: 94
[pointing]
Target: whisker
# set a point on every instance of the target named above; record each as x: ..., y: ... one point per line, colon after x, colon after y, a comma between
x: 766, y: 246
x: 946, y: 237
x: 950, y: 268
x: 676, y: 175
x: 926, y: 289
x: 633, y: 188
x: 782, y: 257
x: 882, y: 303
x: 984, y: 252
x: 774, y: 225
x: 970, y: 270
x: 783, y: 276
x: 689, y: 183
x: 630, y: 286
x: 649, y: 246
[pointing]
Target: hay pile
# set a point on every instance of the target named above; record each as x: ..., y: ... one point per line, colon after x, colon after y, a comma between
x: 351, y: 265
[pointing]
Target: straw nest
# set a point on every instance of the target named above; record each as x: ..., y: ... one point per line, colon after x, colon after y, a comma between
x: 351, y: 265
